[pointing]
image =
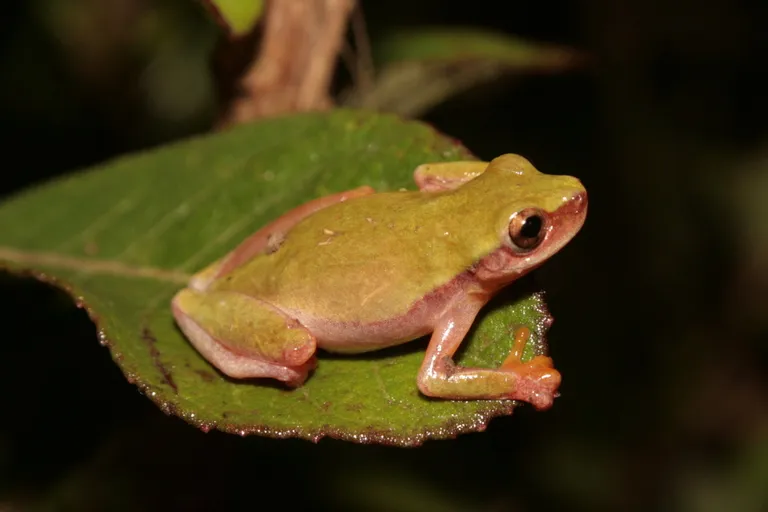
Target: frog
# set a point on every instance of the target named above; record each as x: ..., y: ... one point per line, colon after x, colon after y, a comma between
x: 359, y: 271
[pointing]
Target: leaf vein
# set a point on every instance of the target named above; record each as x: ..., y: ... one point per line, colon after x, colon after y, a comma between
x: 91, y: 266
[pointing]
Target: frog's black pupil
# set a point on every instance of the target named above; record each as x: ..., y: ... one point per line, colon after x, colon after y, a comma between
x: 531, y: 227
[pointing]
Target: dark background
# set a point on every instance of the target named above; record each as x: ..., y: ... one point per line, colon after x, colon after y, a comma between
x: 661, y: 302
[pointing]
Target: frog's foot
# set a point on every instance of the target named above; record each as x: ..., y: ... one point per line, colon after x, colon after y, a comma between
x: 245, y: 337
x: 537, y: 379
x: 534, y: 381
x: 537, y: 383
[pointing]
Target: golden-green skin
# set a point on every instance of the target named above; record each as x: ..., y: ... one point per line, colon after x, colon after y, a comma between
x: 370, y: 258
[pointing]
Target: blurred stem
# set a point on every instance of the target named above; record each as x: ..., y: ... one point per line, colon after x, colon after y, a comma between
x: 362, y: 68
x: 292, y: 69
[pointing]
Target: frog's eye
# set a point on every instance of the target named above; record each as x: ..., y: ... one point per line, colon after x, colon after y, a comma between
x: 526, y: 228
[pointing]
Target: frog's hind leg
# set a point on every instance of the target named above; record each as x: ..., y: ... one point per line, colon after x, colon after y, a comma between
x: 269, y: 238
x: 245, y: 337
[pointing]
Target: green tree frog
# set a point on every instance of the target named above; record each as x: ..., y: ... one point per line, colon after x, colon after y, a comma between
x: 359, y: 271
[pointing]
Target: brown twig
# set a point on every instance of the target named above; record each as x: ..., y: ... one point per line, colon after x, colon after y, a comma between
x: 292, y: 72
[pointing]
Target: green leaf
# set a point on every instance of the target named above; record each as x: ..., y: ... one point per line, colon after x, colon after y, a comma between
x: 421, y: 67
x: 455, y: 44
x: 237, y: 16
x: 122, y: 237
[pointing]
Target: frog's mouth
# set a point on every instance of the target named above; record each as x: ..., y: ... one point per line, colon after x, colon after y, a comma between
x: 567, y: 220
x: 563, y: 224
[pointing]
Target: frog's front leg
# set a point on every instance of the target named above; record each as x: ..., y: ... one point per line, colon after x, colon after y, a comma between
x: 535, y: 382
x: 245, y: 337
x: 270, y: 236
x: 447, y: 175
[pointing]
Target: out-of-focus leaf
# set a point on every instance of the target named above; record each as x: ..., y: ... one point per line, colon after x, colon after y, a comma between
x: 421, y: 67
x: 237, y: 16
x: 454, y: 44
x: 123, y: 237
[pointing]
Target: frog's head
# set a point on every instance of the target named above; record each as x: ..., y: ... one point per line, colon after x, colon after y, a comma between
x: 537, y: 215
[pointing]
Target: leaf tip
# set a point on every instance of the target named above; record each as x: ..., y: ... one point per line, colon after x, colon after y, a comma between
x: 236, y: 17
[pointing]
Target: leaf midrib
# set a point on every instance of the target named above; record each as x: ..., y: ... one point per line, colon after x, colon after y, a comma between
x: 91, y: 266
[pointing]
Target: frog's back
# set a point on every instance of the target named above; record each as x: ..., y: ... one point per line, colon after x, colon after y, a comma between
x: 365, y: 259
x: 372, y: 258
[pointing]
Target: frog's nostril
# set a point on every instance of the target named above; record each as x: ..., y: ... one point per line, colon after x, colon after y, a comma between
x: 578, y: 202
x: 573, y: 207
